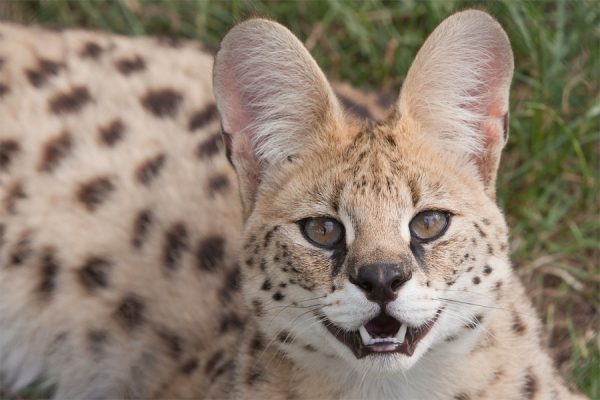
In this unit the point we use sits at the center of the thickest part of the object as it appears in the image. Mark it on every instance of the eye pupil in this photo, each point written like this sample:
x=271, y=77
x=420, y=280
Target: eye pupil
x=429, y=225
x=322, y=231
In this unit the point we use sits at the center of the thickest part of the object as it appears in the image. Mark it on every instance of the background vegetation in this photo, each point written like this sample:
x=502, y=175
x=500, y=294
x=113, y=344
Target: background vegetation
x=548, y=185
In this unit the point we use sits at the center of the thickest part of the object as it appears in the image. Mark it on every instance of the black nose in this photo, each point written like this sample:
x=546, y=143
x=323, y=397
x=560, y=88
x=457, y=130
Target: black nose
x=381, y=282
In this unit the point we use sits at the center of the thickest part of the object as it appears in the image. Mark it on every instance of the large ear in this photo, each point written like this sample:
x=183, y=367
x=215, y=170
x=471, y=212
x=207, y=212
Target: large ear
x=274, y=101
x=457, y=89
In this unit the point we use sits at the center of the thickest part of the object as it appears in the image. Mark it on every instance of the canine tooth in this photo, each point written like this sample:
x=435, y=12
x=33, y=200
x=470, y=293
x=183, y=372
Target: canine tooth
x=401, y=333
x=364, y=335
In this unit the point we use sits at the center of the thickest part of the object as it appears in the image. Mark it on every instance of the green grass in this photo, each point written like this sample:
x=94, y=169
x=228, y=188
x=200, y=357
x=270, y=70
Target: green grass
x=548, y=185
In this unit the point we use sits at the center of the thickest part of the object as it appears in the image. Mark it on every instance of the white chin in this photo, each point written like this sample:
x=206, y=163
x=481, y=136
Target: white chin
x=392, y=363
x=387, y=363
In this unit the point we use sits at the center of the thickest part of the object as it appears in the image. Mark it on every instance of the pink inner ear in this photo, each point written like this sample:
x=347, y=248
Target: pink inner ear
x=236, y=117
x=496, y=111
x=494, y=134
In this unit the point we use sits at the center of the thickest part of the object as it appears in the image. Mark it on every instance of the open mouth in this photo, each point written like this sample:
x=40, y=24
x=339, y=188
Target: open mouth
x=382, y=335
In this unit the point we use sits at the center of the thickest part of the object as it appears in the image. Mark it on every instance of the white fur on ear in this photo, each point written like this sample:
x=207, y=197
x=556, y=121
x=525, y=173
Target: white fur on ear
x=273, y=98
x=457, y=88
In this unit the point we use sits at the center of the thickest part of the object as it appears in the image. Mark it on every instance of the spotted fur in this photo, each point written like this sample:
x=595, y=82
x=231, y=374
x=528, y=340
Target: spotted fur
x=144, y=254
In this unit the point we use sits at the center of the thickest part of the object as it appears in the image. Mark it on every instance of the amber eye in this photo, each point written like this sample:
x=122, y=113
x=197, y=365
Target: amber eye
x=429, y=225
x=322, y=231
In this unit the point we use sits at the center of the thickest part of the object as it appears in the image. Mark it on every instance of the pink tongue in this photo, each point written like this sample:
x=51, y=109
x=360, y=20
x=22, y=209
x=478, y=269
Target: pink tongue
x=382, y=326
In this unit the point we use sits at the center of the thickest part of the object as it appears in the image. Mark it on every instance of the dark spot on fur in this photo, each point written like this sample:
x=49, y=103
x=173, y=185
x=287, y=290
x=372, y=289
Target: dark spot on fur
x=188, y=367
x=91, y=50
x=498, y=373
x=141, y=226
x=487, y=270
x=48, y=269
x=94, y=192
x=530, y=387
x=462, y=396
x=269, y=236
x=45, y=69
x=285, y=337
x=476, y=280
x=479, y=230
x=277, y=296
x=3, y=89
x=209, y=147
x=210, y=253
x=255, y=374
x=14, y=193
x=226, y=366
x=218, y=183
x=54, y=151
x=231, y=322
x=266, y=286
x=110, y=134
x=162, y=102
x=93, y=273
x=390, y=140
x=451, y=339
x=257, y=307
x=213, y=360
x=176, y=243
x=490, y=249
x=130, y=312
x=35, y=77
x=257, y=345
x=475, y=322
x=518, y=326
x=71, y=101
x=97, y=340
x=231, y=284
x=128, y=66
x=149, y=169
x=203, y=117
x=469, y=269
x=173, y=343
x=22, y=250
x=8, y=149
x=309, y=348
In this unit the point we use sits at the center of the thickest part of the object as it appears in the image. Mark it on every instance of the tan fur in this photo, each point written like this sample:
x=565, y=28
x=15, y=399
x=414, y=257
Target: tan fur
x=128, y=269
